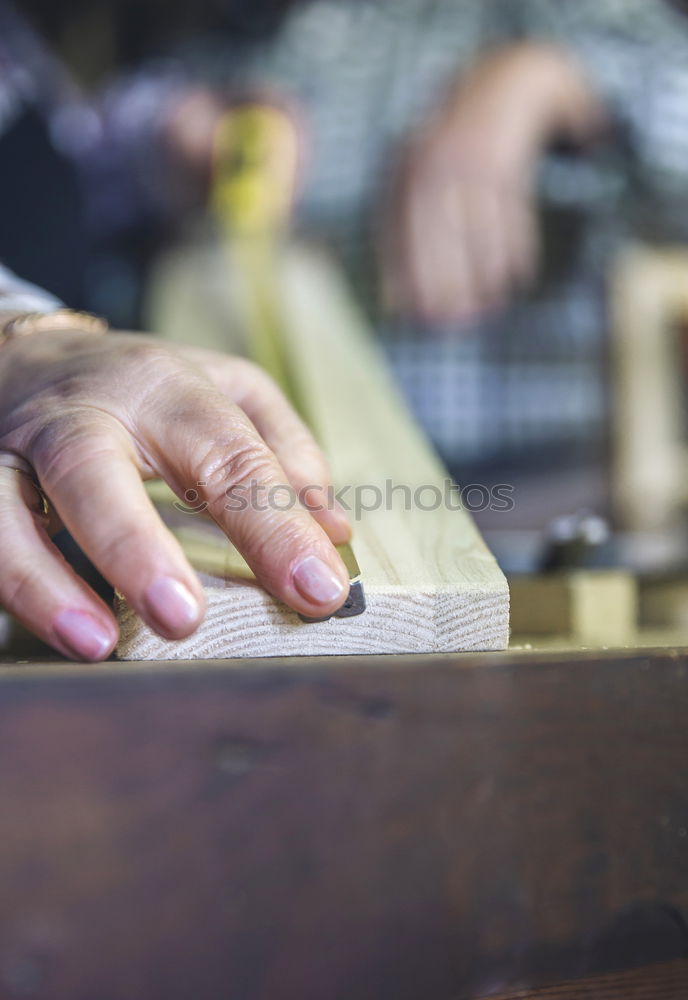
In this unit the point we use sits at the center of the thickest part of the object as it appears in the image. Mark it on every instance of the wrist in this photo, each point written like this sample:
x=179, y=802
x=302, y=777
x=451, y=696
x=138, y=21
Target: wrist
x=531, y=91
x=552, y=91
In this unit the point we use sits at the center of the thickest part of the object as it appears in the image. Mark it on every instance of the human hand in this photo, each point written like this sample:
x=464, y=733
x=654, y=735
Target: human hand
x=91, y=417
x=461, y=232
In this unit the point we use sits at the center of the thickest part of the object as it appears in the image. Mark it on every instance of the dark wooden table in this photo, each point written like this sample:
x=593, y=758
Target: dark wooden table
x=658, y=981
x=393, y=829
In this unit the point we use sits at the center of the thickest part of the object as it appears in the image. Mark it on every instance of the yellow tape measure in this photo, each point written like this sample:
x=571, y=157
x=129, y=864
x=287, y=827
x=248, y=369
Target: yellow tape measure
x=256, y=156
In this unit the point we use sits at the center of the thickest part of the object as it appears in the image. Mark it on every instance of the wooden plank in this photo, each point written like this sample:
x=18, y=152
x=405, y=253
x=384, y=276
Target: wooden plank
x=430, y=582
x=391, y=828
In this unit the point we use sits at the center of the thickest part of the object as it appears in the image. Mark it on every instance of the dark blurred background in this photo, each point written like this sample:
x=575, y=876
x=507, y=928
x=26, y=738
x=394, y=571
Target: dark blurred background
x=99, y=36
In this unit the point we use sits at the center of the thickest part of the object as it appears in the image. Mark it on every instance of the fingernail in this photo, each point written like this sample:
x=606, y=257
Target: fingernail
x=83, y=635
x=171, y=604
x=315, y=581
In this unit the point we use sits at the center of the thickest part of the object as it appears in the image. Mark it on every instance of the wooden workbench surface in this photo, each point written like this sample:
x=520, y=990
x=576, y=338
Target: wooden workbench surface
x=658, y=981
x=399, y=827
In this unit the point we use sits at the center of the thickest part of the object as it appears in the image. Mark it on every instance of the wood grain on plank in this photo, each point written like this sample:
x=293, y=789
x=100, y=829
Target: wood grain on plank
x=430, y=581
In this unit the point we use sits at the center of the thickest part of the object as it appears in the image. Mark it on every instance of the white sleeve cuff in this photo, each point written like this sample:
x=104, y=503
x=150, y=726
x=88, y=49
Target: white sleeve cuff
x=21, y=296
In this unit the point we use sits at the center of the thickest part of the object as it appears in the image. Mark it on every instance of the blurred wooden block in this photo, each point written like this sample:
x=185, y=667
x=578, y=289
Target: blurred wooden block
x=430, y=582
x=596, y=608
x=663, y=602
x=649, y=301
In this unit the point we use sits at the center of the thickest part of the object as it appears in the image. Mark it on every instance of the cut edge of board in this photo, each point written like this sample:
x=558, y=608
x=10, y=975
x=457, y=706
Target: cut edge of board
x=395, y=621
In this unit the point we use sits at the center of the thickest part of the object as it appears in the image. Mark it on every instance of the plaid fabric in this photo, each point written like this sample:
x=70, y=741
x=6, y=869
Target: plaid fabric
x=367, y=71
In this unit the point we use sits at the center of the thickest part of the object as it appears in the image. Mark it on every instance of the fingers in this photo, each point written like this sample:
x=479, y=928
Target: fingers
x=38, y=587
x=524, y=238
x=487, y=246
x=200, y=440
x=284, y=433
x=462, y=253
x=441, y=259
x=296, y=450
x=87, y=467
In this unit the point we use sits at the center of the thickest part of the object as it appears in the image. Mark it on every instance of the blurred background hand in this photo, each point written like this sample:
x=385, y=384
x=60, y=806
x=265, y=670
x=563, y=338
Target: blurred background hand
x=462, y=233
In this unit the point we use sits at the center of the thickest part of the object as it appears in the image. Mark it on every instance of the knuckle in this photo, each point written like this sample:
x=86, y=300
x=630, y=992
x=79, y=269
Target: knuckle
x=151, y=371
x=251, y=371
x=145, y=356
x=270, y=545
x=263, y=380
x=255, y=383
x=231, y=466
